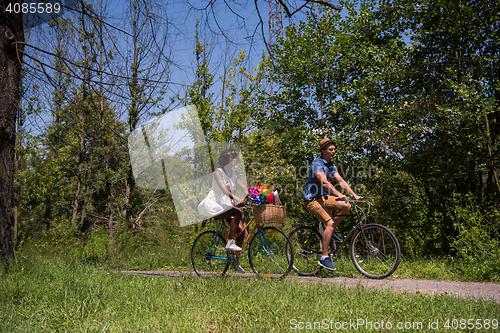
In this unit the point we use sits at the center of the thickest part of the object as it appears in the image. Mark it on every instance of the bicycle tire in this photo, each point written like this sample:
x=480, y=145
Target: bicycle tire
x=375, y=251
x=270, y=253
x=307, y=246
x=208, y=255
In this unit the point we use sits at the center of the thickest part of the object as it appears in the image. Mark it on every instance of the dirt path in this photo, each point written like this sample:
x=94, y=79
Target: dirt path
x=483, y=290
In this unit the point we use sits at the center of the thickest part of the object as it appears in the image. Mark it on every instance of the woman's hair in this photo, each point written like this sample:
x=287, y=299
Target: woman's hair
x=225, y=154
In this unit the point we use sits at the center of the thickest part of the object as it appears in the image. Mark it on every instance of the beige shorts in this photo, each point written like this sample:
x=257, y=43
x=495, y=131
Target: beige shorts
x=320, y=207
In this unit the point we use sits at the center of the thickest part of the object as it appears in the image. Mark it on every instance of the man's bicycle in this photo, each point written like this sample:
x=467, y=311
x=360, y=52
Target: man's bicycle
x=374, y=249
x=270, y=251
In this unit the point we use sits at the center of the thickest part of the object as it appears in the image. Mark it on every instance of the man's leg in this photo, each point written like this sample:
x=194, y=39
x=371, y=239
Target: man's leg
x=327, y=236
x=343, y=208
x=325, y=261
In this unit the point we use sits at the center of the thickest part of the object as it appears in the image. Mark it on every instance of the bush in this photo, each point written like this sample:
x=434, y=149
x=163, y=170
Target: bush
x=58, y=240
x=96, y=248
x=477, y=245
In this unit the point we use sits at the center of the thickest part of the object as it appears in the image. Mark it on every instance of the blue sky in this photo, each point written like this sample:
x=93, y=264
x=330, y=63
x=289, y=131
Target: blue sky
x=224, y=31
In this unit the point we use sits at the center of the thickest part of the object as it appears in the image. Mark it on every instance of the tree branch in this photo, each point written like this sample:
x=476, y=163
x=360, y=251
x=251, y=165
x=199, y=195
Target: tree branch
x=320, y=2
x=325, y=3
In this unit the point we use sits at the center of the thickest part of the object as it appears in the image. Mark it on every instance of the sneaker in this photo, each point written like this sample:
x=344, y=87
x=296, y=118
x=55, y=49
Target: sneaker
x=337, y=238
x=236, y=265
x=231, y=246
x=327, y=263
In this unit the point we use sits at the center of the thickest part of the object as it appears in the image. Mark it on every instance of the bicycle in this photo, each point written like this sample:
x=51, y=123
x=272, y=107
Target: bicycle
x=270, y=251
x=374, y=249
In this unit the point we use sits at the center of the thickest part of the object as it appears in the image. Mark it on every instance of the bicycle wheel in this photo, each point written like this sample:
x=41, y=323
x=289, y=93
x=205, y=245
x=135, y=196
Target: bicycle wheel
x=208, y=255
x=375, y=251
x=307, y=247
x=270, y=253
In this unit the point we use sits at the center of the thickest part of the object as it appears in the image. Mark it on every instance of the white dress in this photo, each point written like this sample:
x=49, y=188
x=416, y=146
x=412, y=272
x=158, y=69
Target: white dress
x=216, y=201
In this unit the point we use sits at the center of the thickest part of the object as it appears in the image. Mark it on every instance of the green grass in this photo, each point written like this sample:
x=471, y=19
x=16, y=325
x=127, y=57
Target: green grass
x=175, y=254
x=166, y=246
x=55, y=296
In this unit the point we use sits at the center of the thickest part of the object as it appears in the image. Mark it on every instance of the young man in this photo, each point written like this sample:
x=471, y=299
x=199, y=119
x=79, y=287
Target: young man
x=320, y=196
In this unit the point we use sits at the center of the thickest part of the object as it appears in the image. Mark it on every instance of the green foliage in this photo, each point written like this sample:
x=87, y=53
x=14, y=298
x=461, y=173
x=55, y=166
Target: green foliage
x=58, y=240
x=408, y=89
x=63, y=158
x=477, y=244
x=96, y=248
x=243, y=97
x=199, y=93
x=421, y=112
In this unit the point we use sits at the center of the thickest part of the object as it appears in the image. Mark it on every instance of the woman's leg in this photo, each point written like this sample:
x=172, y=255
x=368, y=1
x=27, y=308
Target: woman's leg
x=241, y=239
x=233, y=218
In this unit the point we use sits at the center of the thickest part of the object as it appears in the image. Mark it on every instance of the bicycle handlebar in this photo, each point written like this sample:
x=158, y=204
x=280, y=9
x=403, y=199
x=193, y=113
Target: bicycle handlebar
x=351, y=198
x=247, y=205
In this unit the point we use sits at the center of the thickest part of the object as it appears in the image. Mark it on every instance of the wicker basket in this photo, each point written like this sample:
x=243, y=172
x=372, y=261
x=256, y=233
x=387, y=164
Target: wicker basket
x=269, y=214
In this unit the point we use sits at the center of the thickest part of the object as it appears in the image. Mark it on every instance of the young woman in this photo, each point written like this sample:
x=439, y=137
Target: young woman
x=222, y=203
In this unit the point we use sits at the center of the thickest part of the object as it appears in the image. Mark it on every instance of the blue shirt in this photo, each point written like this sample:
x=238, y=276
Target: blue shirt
x=314, y=188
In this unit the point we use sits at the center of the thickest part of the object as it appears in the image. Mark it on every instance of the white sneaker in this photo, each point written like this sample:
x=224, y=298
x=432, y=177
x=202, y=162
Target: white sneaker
x=236, y=265
x=231, y=246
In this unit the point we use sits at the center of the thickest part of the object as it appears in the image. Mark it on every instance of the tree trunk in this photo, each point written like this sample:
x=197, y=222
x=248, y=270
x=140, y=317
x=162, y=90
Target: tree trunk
x=17, y=166
x=80, y=169
x=87, y=194
x=133, y=112
x=11, y=31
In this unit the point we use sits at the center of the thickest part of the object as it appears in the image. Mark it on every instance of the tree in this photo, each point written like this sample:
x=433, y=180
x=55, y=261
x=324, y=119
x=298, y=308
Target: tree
x=455, y=77
x=11, y=39
x=424, y=113
x=12, y=26
x=444, y=131
x=147, y=73
x=217, y=14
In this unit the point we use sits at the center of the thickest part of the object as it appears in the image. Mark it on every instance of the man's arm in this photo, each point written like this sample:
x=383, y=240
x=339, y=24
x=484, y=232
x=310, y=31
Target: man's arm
x=321, y=177
x=343, y=184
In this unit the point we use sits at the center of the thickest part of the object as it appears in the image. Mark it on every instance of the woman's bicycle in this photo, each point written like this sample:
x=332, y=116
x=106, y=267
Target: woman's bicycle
x=270, y=251
x=374, y=249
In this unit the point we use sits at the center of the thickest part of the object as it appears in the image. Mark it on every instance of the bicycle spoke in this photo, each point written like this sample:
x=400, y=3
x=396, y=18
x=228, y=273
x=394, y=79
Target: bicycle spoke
x=306, y=243
x=268, y=253
x=375, y=251
x=208, y=255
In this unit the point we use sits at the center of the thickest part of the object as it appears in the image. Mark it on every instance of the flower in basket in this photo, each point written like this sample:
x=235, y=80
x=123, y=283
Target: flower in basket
x=253, y=197
x=254, y=190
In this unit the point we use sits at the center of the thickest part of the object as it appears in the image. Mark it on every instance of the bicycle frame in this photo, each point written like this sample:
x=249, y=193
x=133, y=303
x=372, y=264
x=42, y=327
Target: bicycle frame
x=373, y=248
x=222, y=230
x=270, y=252
x=337, y=247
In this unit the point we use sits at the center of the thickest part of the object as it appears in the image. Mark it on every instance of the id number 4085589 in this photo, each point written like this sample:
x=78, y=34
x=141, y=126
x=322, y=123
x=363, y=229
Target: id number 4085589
x=33, y=8
x=471, y=324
